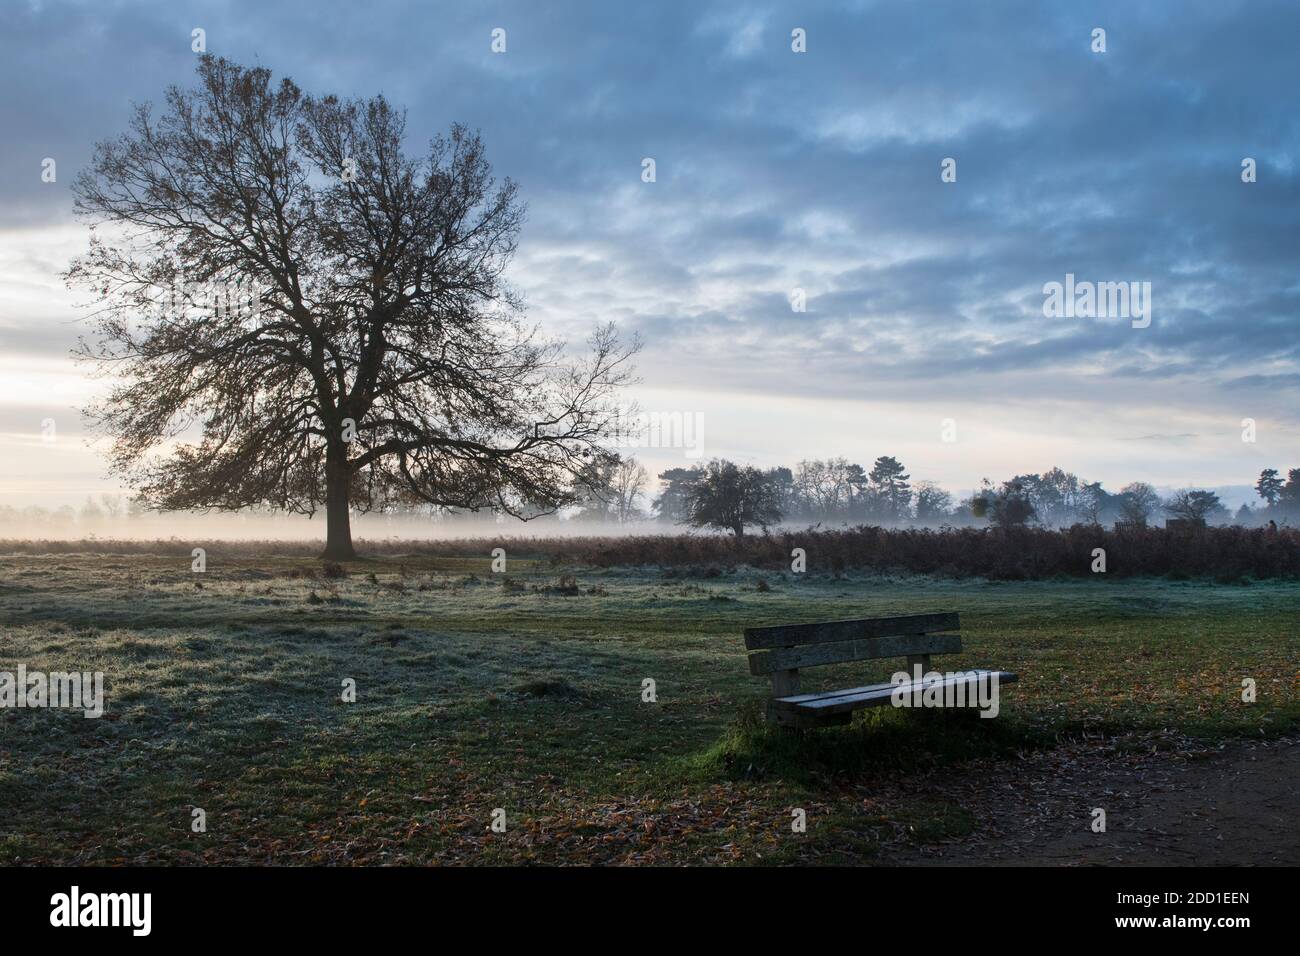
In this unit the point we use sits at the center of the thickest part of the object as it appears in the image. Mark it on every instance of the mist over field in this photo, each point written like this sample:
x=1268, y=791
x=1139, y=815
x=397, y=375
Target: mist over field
x=67, y=523
x=256, y=527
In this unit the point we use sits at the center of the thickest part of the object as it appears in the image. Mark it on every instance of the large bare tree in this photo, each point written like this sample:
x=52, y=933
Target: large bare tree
x=295, y=312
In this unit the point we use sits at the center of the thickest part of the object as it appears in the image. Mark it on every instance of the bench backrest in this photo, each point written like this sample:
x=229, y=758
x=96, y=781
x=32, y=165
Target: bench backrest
x=781, y=651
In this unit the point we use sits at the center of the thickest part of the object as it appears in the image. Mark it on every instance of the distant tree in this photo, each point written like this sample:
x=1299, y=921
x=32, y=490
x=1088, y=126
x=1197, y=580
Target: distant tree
x=670, y=505
x=91, y=513
x=1094, y=502
x=1193, y=504
x=1030, y=487
x=857, y=485
x=781, y=481
x=595, y=482
x=1289, y=496
x=1138, y=501
x=628, y=484
x=1269, y=487
x=1056, y=497
x=1007, y=507
x=933, y=504
x=731, y=498
x=889, y=485
x=1245, y=516
x=818, y=489
x=328, y=308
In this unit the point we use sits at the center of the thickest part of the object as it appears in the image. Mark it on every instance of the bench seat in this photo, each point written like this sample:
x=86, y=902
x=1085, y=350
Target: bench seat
x=873, y=695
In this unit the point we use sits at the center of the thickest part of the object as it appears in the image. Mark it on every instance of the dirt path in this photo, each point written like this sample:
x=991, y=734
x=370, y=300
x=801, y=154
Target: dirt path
x=1238, y=804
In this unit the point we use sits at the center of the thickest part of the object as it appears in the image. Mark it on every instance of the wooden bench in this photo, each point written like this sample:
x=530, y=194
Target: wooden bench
x=781, y=652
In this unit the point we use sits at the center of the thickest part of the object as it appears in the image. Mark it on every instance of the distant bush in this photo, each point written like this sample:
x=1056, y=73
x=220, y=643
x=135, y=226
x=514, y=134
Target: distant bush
x=1226, y=554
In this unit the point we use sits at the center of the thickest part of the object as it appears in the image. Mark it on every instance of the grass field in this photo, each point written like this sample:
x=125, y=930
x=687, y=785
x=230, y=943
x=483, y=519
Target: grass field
x=478, y=691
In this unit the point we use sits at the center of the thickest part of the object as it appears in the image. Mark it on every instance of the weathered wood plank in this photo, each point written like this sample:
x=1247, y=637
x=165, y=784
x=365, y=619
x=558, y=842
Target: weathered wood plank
x=798, y=700
x=814, y=655
x=875, y=695
x=795, y=719
x=827, y=632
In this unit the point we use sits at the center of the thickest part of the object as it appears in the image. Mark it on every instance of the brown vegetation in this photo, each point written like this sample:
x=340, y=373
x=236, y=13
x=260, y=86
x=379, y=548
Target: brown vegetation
x=1222, y=553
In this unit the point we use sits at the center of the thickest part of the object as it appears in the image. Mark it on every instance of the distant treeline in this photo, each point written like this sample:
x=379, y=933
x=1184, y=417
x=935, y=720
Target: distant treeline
x=729, y=497
x=1225, y=554
x=724, y=495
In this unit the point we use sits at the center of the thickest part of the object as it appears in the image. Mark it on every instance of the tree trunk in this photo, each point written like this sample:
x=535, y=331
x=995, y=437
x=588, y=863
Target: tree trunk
x=338, y=519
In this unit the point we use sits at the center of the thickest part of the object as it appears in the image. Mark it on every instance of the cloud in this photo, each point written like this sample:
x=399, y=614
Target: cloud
x=778, y=171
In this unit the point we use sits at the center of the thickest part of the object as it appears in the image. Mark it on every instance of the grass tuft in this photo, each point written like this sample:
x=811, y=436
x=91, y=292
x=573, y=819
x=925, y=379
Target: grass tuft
x=880, y=739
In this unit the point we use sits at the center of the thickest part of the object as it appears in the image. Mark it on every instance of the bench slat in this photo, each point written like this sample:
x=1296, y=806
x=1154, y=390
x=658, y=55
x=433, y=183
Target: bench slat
x=813, y=655
x=826, y=632
x=799, y=700
x=874, y=695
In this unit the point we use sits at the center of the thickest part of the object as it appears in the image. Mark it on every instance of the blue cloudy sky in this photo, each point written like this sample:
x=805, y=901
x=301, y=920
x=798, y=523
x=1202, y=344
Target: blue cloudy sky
x=779, y=170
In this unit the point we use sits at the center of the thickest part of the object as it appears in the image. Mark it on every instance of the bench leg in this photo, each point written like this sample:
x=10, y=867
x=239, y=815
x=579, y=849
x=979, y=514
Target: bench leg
x=784, y=684
x=782, y=718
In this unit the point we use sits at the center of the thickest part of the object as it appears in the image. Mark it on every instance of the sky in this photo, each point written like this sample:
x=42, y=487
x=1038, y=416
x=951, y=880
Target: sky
x=923, y=334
